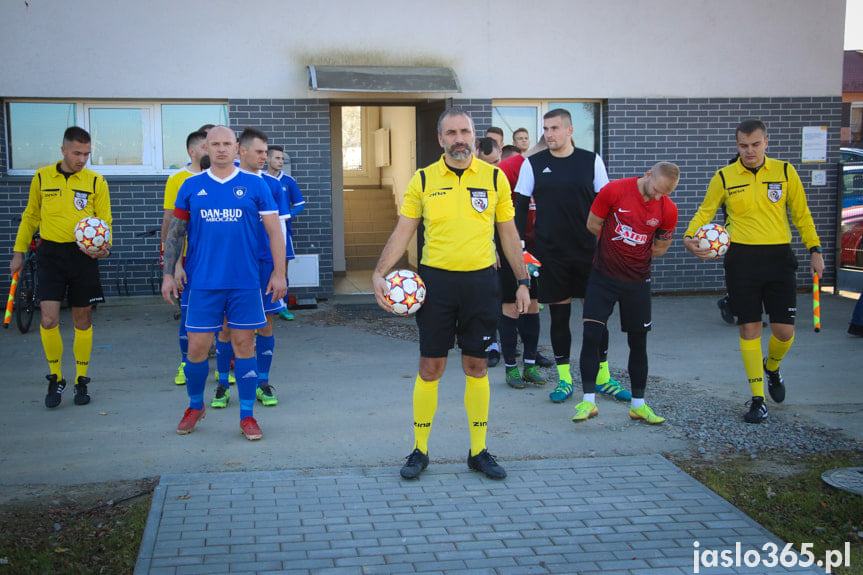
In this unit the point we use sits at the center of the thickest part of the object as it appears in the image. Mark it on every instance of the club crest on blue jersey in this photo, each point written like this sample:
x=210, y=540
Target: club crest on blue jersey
x=81, y=200
x=774, y=192
x=479, y=199
x=240, y=192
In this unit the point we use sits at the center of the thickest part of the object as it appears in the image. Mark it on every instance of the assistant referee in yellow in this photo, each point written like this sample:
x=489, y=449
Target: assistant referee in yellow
x=460, y=200
x=60, y=196
x=760, y=268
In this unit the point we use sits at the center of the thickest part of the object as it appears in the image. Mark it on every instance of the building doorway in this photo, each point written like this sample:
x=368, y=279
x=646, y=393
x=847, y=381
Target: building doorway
x=376, y=150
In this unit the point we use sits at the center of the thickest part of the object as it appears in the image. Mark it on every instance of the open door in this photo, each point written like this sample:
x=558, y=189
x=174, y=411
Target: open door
x=428, y=147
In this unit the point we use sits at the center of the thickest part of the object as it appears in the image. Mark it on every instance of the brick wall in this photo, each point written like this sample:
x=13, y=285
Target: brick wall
x=698, y=135
x=480, y=113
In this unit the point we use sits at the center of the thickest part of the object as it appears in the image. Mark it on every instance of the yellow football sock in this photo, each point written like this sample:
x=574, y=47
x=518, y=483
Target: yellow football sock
x=563, y=373
x=776, y=350
x=425, y=405
x=476, y=399
x=750, y=351
x=82, y=347
x=604, y=373
x=52, y=342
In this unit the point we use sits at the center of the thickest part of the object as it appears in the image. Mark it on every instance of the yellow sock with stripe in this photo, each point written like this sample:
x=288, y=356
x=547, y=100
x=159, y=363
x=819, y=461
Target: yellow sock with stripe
x=476, y=399
x=604, y=373
x=83, y=348
x=750, y=351
x=563, y=372
x=425, y=405
x=52, y=343
x=776, y=350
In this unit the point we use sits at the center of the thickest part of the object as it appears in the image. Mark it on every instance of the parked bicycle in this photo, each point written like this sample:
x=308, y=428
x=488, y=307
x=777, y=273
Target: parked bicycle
x=27, y=294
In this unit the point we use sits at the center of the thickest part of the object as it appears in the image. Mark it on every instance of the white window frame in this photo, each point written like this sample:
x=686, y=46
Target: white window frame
x=151, y=147
x=152, y=133
x=368, y=174
x=543, y=106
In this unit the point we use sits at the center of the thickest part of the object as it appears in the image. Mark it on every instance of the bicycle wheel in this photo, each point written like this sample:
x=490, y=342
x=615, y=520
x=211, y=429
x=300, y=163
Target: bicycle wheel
x=25, y=297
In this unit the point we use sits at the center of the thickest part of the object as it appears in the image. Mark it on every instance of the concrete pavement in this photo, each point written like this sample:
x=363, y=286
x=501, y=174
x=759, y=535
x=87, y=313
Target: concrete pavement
x=345, y=397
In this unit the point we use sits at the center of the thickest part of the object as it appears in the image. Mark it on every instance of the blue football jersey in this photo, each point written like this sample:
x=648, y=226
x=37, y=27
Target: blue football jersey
x=294, y=197
x=224, y=223
x=264, y=253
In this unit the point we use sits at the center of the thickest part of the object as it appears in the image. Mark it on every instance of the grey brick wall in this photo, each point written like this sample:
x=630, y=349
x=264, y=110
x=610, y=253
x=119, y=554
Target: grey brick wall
x=480, y=113
x=698, y=135
x=301, y=126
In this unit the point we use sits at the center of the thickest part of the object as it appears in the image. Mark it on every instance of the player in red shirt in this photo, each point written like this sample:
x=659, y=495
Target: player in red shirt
x=634, y=219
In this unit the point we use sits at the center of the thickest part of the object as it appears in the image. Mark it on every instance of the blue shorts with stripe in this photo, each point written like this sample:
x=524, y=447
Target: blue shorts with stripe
x=270, y=307
x=242, y=308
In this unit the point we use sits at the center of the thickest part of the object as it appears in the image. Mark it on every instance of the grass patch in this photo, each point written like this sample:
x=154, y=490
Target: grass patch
x=72, y=535
x=787, y=496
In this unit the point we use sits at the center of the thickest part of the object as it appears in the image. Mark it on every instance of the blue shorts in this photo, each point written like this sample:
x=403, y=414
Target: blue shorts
x=289, y=248
x=266, y=269
x=241, y=307
x=184, y=295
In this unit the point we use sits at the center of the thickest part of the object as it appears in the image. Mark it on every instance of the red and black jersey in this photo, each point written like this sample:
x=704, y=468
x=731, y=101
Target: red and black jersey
x=631, y=224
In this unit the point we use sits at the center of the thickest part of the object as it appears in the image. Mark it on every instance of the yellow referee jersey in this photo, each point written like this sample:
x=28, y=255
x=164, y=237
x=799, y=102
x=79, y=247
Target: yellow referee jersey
x=56, y=204
x=459, y=214
x=758, y=204
x=172, y=187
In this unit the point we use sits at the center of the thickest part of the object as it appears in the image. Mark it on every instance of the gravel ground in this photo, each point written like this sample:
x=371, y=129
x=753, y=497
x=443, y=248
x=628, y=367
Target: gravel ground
x=714, y=426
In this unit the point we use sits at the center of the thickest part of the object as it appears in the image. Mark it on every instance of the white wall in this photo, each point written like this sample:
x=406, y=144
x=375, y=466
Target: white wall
x=401, y=122
x=560, y=48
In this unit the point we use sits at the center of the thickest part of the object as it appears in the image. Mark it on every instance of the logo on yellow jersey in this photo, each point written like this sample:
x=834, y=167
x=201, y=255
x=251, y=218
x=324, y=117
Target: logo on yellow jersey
x=81, y=200
x=479, y=199
x=774, y=192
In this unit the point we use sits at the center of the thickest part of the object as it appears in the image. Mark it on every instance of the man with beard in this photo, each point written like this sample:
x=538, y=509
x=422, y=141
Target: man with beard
x=460, y=200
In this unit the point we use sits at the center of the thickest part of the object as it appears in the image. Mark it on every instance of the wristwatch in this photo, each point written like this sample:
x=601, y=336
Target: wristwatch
x=814, y=249
x=524, y=282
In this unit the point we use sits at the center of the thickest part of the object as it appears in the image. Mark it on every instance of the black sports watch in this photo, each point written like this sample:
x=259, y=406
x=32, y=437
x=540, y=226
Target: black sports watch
x=524, y=282
x=814, y=249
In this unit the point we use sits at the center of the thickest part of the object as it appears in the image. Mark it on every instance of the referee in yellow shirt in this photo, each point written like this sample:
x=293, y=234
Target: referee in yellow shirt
x=460, y=200
x=60, y=196
x=760, y=267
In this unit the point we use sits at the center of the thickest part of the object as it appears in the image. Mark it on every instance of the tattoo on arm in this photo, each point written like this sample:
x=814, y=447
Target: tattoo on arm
x=174, y=243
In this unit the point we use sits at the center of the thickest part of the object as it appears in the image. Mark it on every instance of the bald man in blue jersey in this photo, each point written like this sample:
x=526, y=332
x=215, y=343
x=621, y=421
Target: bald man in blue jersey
x=220, y=211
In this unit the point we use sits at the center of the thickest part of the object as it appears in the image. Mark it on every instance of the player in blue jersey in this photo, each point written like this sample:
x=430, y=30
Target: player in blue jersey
x=196, y=147
x=220, y=210
x=253, y=155
x=296, y=202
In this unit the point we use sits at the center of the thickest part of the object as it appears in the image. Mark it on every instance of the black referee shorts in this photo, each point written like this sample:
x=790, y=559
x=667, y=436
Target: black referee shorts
x=62, y=266
x=463, y=305
x=762, y=277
